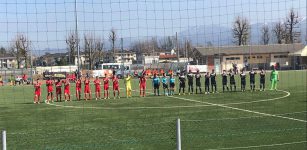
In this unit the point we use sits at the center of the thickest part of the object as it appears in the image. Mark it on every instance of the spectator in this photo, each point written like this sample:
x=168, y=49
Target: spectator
x=24, y=78
x=12, y=80
x=1, y=80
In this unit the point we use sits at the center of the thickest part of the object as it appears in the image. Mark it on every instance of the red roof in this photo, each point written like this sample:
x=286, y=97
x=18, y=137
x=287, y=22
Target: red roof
x=167, y=56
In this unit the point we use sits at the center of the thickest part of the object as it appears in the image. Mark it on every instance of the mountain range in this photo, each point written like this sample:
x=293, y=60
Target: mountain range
x=205, y=35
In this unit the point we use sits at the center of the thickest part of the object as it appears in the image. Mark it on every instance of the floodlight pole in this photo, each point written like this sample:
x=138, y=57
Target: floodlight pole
x=77, y=38
x=178, y=135
x=3, y=140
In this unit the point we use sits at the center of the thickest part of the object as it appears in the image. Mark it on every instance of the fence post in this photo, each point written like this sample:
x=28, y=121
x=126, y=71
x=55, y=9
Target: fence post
x=178, y=135
x=3, y=140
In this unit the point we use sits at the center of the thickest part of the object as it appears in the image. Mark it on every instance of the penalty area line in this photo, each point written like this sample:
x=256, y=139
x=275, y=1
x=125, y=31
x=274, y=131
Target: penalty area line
x=258, y=146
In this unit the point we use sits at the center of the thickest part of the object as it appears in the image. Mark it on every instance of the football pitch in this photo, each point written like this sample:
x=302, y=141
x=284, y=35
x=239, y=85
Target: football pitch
x=230, y=120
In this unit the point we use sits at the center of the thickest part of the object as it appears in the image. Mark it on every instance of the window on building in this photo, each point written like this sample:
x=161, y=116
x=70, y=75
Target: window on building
x=259, y=57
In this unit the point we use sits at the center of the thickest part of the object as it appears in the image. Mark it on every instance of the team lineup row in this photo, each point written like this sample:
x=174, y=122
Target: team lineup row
x=168, y=85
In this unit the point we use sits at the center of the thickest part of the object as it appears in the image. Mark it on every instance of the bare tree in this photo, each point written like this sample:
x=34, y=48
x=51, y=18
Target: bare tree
x=240, y=30
x=279, y=32
x=167, y=43
x=99, y=45
x=265, y=34
x=112, y=39
x=292, y=23
x=71, y=41
x=20, y=49
x=89, y=49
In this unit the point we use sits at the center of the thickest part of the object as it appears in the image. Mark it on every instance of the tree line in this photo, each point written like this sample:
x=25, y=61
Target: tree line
x=283, y=32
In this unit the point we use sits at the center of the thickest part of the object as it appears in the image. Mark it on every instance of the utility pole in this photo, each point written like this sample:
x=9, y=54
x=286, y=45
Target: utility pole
x=177, y=49
x=77, y=39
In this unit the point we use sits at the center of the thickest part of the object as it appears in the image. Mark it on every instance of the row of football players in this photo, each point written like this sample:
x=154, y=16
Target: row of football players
x=210, y=79
x=67, y=94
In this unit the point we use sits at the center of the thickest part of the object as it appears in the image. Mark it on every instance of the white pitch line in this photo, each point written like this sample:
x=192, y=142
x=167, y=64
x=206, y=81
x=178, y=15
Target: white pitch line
x=264, y=100
x=240, y=109
x=113, y=108
x=258, y=146
x=169, y=107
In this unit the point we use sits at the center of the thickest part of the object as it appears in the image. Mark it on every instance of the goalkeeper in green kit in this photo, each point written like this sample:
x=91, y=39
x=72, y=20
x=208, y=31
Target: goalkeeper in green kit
x=274, y=79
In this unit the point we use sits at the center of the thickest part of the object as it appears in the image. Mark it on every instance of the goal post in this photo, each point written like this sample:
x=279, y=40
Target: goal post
x=3, y=140
x=178, y=135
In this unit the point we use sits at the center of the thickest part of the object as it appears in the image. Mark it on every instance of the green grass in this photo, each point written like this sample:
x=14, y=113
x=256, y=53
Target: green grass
x=128, y=124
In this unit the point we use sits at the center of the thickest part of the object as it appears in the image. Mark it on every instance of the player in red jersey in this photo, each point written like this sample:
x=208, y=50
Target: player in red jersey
x=58, y=87
x=106, y=87
x=78, y=89
x=115, y=85
x=49, y=85
x=37, y=92
x=67, y=90
x=97, y=88
x=142, y=85
x=87, y=89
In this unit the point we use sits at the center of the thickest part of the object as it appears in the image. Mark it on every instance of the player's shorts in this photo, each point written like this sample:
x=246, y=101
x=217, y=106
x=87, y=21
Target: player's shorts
x=142, y=86
x=172, y=85
x=58, y=90
x=78, y=89
x=49, y=89
x=156, y=86
x=232, y=82
x=190, y=83
x=198, y=84
x=262, y=81
x=97, y=89
x=213, y=83
x=182, y=85
x=66, y=91
x=252, y=81
x=106, y=88
x=165, y=86
x=115, y=88
x=128, y=88
x=37, y=93
x=87, y=90
x=224, y=82
x=243, y=82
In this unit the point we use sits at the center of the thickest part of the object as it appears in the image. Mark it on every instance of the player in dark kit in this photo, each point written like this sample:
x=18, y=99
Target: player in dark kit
x=207, y=83
x=213, y=81
x=198, y=84
x=190, y=82
x=262, y=80
x=252, y=79
x=232, y=80
x=243, y=80
x=224, y=80
x=181, y=83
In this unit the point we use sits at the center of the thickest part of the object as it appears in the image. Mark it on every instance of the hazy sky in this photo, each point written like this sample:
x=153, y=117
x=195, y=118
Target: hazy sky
x=47, y=22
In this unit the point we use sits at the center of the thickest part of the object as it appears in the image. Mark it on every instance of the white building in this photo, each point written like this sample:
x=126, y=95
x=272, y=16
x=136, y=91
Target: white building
x=10, y=62
x=127, y=57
